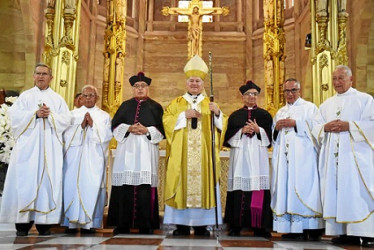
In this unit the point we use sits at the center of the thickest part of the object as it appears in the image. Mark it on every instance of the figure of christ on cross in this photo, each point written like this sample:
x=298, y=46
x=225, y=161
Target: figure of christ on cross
x=195, y=11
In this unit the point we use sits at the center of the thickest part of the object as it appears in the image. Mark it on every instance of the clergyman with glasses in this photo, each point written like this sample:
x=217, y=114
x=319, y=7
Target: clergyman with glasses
x=85, y=159
x=296, y=198
x=248, y=190
x=33, y=185
x=137, y=127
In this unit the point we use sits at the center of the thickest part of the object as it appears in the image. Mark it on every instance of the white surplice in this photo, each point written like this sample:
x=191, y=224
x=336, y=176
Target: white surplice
x=249, y=162
x=295, y=188
x=85, y=169
x=136, y=160
x=33, y=186
x=346, y=164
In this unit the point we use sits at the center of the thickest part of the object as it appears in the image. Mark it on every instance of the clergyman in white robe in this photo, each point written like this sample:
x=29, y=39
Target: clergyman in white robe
x=85, y=169
x=346, y=161
x=33, y=186
x=296, y=198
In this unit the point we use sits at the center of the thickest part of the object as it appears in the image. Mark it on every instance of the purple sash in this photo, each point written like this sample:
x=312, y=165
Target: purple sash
x=256, y=208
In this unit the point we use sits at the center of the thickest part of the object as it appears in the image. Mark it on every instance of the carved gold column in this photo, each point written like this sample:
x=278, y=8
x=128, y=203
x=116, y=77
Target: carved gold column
x=274, y=54
x=114, y=55
x=329, y=44
x=61, y=45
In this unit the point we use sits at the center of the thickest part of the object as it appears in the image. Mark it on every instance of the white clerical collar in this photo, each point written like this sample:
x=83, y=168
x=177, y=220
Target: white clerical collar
x=348, y=92
x=294, y=103
x=92, y=108
x=42, y=90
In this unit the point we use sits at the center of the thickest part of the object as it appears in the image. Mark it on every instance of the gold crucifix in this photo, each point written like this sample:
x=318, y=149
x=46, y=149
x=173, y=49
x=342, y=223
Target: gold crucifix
x=195, y=11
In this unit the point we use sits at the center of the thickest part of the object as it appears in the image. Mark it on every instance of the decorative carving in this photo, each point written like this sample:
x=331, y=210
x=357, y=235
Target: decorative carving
x=120, y=11
x=274, y=53
x=325, y=86
x=322, y=8
x=119, y=76
x=268, y=10
x=195, y=11
x=51, y=4
x=67, y=39
x=63, y=83
x=114, y=54
x=330, y=45
x=65, y=59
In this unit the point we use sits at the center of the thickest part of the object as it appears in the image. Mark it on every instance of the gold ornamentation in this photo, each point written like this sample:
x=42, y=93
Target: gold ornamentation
x=195, y=11
x=61, y=45
x=274, y=54
x=194, y=166
x=329, y=44
x=114, y=55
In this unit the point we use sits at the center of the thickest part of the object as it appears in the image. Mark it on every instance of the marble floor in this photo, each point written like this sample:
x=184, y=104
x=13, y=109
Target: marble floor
x=162, y=239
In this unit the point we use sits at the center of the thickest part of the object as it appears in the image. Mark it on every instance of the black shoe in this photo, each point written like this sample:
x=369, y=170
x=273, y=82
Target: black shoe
x=70, y=230
x=313, y=234
x=347, y=239
x=367, y=242
x=45, y=232
x=314, y=238
x=293, y=236
x=145, y=231
x=181, y=232
x=22, y=233
x=88, y=231
x=121, y=230
x=260, y=232
x=201, y=232
x=234, y=232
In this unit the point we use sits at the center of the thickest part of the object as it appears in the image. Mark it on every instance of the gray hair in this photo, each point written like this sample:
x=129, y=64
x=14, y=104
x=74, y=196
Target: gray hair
x=43, y=65
x=89, y=86
x=293, y=80
x=347, y=69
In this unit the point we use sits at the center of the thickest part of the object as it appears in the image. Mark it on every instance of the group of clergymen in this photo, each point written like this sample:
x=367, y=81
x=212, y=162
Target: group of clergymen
x=321, y=180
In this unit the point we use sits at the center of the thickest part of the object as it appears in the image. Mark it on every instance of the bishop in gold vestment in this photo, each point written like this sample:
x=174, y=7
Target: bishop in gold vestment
x=189, y=183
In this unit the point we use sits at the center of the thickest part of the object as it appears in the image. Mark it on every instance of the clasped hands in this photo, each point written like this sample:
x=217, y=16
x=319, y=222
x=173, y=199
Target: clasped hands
x=43, y=111
x=87, y=121
x=285, y=123
x=336, y=126
x=251, y=127
x=138, y=129
x=192, y=113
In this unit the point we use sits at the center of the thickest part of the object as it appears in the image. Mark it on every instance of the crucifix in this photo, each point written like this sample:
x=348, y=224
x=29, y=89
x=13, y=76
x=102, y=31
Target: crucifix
x=195, y=12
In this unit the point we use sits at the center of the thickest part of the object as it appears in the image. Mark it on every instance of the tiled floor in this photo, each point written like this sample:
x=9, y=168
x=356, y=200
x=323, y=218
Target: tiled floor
x=162, y=239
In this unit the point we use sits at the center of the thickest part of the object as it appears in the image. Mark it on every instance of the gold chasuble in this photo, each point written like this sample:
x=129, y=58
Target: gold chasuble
x=189, y=172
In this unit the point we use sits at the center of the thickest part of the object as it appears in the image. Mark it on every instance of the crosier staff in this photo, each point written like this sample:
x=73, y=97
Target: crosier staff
x=212, y=128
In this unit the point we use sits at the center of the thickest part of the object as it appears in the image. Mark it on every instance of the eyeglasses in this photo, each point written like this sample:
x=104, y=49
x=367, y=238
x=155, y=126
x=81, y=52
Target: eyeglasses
x=293, y=91
x=41, y=73
x=88, y=96
x=251, y=93
x=140, y=86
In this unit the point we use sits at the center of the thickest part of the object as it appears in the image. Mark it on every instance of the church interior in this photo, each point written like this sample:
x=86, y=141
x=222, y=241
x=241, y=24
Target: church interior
x=104, y=42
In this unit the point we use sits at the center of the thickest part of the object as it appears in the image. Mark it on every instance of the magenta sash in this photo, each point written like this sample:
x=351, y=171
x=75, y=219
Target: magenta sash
x=256, y=208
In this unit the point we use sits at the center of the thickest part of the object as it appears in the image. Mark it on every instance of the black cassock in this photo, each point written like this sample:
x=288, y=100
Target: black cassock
x=133, y=206
x=238, y=202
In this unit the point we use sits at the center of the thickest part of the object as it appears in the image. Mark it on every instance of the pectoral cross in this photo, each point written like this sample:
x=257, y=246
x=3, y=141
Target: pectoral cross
x=195, y=11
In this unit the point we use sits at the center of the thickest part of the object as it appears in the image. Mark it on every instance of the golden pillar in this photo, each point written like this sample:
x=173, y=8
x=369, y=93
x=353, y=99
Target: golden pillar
x=114, y=55
x=61, y=45
x=274, y=54
x=329, y=44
